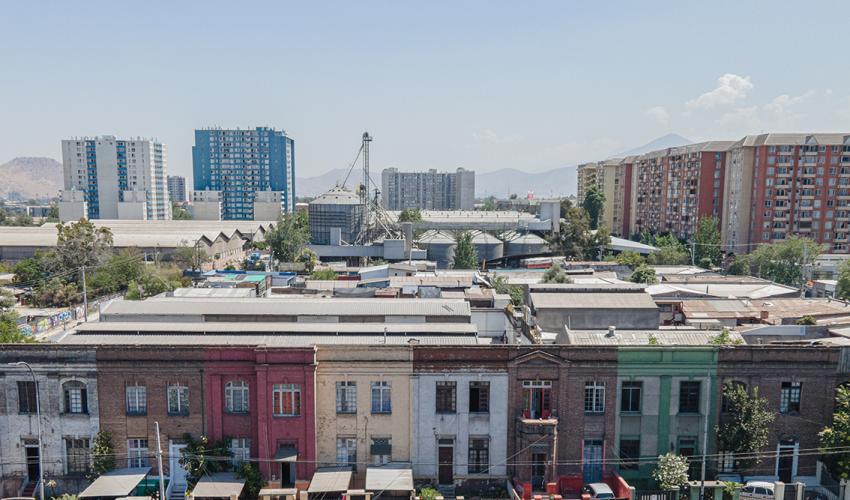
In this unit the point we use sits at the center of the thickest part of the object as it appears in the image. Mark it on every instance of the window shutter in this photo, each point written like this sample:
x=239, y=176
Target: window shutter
x=84, y=400
x=67, y=393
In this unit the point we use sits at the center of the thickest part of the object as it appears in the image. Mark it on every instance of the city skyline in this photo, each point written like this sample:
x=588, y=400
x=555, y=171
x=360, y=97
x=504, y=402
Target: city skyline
x=483, y=88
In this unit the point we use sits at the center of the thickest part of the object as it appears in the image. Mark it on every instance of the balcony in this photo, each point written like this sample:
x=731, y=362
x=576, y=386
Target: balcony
x=545, y=425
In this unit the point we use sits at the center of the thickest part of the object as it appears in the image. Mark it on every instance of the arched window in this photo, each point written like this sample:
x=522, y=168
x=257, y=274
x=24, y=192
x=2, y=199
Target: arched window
x=76, y=397
x=735, y=385
x=236, y=396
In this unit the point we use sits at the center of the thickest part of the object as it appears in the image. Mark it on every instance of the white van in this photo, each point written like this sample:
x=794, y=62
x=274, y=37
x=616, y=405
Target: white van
x=757, y=490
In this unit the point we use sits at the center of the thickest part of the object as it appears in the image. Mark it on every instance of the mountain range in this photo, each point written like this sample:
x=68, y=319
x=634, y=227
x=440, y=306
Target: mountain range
x=26, y=178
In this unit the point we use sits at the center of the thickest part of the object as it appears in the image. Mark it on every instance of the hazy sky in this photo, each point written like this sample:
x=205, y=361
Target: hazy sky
x=484, y=85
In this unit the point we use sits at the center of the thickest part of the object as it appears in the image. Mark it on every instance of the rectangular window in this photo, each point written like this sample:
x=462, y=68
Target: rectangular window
x=178, y=400
x=241, y=449
x=137, y=453
x=77, y=456
x=346, y=397
x=76, y=398
x=346, y=452
x=538, y=399
x=594, y=397
x=382, y=397
x=789, y=399
x=137, y=401
x=446, y=397
x=629, y=453
x=479, y=455
x=286, y=400
x=479, y=397
x=381, y=450
x=689, y=396
x=27, y=396
x=630, y=393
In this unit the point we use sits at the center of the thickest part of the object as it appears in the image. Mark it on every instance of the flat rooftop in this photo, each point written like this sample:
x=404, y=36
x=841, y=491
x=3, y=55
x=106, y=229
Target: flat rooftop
x=592, y=301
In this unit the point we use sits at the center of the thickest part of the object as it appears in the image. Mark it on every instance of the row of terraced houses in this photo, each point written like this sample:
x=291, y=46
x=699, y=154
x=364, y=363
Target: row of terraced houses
x=468, y=416
x=761, y=189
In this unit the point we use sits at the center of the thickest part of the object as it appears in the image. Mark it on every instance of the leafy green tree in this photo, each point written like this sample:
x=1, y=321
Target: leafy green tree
x=179, y=213
x=740, y=266
x=576, y=240
x=9, y=332
x=30, y=270
x=52, y=214
x=465, y=256
x=103, y=455
x=289, y=236
x=671, y=252
x=489, y=204
x=191, y=257
x=806, y=320
x=254, y=481
x=631, y=259
x=57, y=293
x=643, y=274
x=784, y=262
x=671, y=471
x=133, y=291
x=566, y=204
x=309, y=259
x=116, y=274
x=410, y=215
x=842, y=288
x=707, y=243
x=593, y=202
x=429, y=493
x=202, y=457
x=724, y=338
x=325, y=274
x=744, y=429
x=82, y=244
x=556, y=274
x=501, y=286
x=837, y=435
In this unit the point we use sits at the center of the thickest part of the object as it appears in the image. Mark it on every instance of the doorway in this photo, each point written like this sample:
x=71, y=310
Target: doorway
x=445, y=460
x=592, y=461
x=177, y=473
x=287, y=474
x=538, y=469
x=786, y=460
x=31, y=450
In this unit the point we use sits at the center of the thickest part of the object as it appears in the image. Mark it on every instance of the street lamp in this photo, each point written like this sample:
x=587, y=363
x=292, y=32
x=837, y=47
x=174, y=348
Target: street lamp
x=38, y=421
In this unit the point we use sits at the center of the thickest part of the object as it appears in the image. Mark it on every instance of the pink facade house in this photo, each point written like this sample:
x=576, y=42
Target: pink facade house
x=262, y=400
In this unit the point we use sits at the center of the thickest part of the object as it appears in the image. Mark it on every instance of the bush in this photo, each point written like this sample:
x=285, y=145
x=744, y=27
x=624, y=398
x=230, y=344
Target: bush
x=429, y=493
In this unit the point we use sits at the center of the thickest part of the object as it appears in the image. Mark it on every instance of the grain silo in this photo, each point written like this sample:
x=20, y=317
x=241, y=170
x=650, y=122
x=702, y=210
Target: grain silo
x=338, y=208
x=524, y=244
x=487, y=246
x=440, y=247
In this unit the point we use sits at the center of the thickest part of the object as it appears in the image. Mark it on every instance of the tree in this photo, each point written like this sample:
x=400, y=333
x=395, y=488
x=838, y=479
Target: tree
x=592, y=203
x=643, y=274
x=56, y=293
x=501, y=286
x=784, y=262
x=179, y=213
x=82, y=244
x=254, y=481
x=707, y=243
x=133, y=291
x=117, y=273
x=576, y=240
x=745, y=427
x=103, y=455
x=289, y=236
x=631, y=259
x=193, y=257
x=842, y=288
x=806, y=320
x=556, y=274
x=489, y=204
x=465, y=256
x=52, y=214
x=325, y=274
x=410, y=215
x=837, y=435
x=201, y=457
x=671, y=471
x=566, y=204
x=671, y=251
x=9, y=332
x=30, y=270
x=739, y=266
x=309, y=259
x=724, y=338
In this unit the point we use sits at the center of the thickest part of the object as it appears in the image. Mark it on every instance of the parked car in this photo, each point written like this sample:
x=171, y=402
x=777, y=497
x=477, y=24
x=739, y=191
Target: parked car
x=757, y=490
x=598, y=490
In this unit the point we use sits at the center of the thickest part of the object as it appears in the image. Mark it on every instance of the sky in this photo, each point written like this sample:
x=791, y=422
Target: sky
x=438, y=84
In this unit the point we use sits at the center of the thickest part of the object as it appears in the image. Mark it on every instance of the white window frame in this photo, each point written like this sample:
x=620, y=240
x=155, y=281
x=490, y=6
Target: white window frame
x=281, y=390
x=136, y=399
x=137, y=455
x=346, y=397
x=178, y=394
x=241, y=449
x=597, y=402
x=237, y=391
x=384, y=397
x=344, y=447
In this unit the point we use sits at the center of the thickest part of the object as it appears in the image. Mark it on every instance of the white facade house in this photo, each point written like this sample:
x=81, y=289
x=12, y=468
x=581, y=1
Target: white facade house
x=460, y=421
x=67, y=394
x=105, y=168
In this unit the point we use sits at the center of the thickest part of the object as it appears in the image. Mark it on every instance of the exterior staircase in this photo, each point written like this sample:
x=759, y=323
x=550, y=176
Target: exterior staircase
x=447, y=491
x=29, y=489
x=178, y=492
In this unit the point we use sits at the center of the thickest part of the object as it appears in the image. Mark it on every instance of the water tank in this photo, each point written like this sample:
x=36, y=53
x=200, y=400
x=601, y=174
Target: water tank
x=440, y=247
x=525, y=244
x=487, y=246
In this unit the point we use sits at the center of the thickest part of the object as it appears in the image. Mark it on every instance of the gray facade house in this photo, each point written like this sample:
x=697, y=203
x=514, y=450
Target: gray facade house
x=632, y=310
x=66, y=384
x=429, y=190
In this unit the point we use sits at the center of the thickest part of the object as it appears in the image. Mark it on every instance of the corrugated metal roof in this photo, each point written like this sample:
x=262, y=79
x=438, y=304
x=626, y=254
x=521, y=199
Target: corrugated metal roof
x=641, y=337
x=629, y=300
x=269, y=340
x=274, y=327
x=337, y=196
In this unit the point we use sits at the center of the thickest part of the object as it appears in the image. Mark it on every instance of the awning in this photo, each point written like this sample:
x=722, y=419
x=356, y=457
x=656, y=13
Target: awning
x=115, y=483
x=220, y=484
x=330, y=479
x=278, y=492
x=394, y=476
x=286, y=454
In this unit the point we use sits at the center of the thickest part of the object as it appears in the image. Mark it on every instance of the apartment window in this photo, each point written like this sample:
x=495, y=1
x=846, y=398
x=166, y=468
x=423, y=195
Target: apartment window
x=446, y=395
x=346, y=397
x=346, y=452
x=286, y=400
x=137, y=401
x=178, y=400
x=789, y=398
x=538, y=398
x=479, y=397
x=381, y=450
x=594, y=397
x=689, y=396
x=77, y=456
x=241, y=449
x=382, y=397
x=137, y=453
x=479, y=455
x=75, y=397
x=629, y=453
x=630, y=393
x=27, y=397
x=236, y=396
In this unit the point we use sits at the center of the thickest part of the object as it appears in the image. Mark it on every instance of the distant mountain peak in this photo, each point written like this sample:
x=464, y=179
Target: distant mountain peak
x=670, y=140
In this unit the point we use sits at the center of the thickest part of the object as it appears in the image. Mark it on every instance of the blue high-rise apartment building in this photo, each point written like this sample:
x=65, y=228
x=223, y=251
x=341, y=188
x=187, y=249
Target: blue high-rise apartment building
x=239, y=163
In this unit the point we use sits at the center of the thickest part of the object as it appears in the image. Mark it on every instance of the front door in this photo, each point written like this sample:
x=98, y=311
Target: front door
x=446, y=464
x=592, y=461
x=287, y=474
x=785, y=460
x=538, y=470
x=32, y=462
x=177, y=472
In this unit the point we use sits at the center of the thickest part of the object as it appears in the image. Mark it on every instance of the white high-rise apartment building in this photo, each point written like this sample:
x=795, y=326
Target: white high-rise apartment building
x=118, y=179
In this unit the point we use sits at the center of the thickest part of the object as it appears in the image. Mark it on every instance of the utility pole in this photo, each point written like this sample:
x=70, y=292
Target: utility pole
x=706, y=410
x=803, y=271
x=159, y=464
x=693, y=252
x=85, y=297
